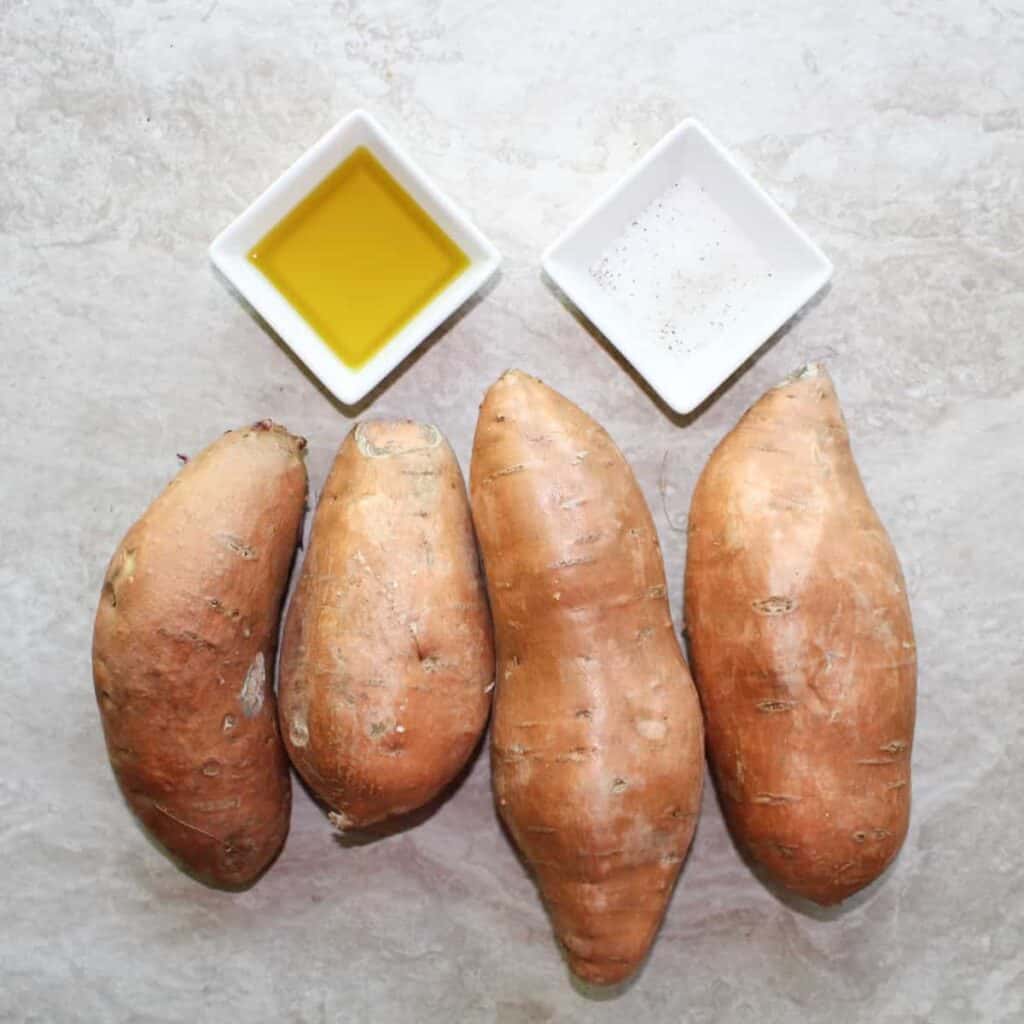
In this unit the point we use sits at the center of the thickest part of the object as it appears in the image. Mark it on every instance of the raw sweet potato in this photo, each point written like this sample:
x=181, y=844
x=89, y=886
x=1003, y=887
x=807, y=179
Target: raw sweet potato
x=183, y=654
x=387, y=660
x=802, y=646
x=597, y=752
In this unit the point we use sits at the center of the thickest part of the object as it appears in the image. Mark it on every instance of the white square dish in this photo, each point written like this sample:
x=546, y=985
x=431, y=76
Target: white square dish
x=686, y=266
x=230, y=254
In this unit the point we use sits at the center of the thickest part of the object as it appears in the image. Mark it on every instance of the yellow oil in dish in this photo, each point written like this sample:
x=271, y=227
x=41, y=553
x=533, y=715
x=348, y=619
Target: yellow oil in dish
x=358, y=258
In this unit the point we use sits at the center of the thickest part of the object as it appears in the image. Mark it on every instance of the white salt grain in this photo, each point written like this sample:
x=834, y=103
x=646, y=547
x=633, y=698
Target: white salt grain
x=683, y=261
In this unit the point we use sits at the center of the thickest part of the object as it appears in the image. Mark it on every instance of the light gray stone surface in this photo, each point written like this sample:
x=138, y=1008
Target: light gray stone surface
x=132, y=132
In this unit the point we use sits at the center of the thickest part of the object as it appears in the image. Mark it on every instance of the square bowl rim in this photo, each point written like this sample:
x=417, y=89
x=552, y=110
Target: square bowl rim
x=560, y=270
x=229, y=254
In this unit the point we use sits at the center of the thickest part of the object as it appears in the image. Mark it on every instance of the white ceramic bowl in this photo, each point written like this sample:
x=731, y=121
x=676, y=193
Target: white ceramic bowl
x=230, y=249
x=687, y=266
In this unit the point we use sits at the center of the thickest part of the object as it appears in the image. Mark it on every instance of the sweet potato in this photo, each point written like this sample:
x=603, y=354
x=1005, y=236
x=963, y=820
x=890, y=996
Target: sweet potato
x=597, y=751
x=802, y=646
x=387, y=659
x=183, y=655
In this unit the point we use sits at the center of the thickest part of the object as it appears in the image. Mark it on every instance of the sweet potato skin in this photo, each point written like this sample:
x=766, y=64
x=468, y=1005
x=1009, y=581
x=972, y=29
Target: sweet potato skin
x=597, y=745
x=183, y=655
x=802, y=646
x=387, y=658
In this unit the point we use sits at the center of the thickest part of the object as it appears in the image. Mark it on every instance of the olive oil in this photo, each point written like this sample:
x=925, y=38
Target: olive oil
x=358, y=258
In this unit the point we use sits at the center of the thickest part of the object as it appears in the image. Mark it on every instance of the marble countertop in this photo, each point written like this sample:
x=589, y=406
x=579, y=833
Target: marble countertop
x=133, y=131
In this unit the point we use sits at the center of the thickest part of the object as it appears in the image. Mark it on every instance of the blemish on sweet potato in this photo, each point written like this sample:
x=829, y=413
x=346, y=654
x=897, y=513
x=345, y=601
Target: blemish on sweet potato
x=774, y=706
x=895, y=747
x=652, y=729
x=237, y=546
x=122, y=571
x=253, y=691
x=774, y=605
x=575, y=562
x=519, y=467
x=298, y=732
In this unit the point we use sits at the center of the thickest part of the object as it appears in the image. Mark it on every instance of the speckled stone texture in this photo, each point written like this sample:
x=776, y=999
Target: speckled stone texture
x=132, y=132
